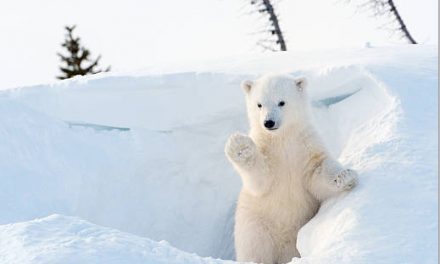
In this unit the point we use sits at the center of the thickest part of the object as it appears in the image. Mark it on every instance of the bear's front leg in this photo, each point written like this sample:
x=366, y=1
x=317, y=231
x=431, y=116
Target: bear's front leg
x=330, y=178
x=249, y=163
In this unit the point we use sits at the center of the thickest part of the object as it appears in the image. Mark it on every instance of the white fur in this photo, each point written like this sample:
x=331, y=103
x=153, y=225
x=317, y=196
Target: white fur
x=286, y=172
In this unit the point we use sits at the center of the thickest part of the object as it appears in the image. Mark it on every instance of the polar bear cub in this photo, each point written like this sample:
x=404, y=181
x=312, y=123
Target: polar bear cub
x=285, y=169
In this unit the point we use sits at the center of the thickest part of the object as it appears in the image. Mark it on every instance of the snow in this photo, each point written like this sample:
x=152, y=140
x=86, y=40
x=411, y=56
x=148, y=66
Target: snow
x=144, y=161
x=62, y=239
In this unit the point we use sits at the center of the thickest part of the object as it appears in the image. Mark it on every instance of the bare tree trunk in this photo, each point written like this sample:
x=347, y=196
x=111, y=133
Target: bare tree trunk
x=403, y=28
x=274, y=19
x=276, y=40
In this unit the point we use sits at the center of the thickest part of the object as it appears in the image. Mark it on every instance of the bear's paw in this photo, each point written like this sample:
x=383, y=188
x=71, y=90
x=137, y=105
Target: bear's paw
x=241, y=149
x=346, y=179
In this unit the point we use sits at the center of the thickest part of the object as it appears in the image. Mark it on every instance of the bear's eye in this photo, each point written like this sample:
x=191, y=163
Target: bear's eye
x=259, y=105
x=282, y=103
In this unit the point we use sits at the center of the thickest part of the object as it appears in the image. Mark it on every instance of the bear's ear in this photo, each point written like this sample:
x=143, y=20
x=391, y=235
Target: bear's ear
x=301, y=83
x=247, y=85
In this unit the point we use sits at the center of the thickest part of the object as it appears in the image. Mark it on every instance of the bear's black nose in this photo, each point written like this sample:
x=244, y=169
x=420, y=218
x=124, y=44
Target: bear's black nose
x=269, y=124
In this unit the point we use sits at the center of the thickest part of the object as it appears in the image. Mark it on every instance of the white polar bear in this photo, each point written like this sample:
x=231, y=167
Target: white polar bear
x=285, y=169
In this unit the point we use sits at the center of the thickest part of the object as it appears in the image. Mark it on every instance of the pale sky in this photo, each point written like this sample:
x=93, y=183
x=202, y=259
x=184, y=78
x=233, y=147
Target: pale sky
x=135, y=34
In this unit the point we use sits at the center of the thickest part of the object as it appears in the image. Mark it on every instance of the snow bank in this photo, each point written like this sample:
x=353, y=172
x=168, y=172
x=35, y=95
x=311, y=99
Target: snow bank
x=393, y=216
x=61, y=239
x=166, y=177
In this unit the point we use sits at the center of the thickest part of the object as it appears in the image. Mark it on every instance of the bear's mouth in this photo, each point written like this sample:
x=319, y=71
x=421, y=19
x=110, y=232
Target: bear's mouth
x=273, y=128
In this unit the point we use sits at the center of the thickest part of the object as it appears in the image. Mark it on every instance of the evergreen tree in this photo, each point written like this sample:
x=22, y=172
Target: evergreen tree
x=388, y=9
x=74, y=63
x=266, y=8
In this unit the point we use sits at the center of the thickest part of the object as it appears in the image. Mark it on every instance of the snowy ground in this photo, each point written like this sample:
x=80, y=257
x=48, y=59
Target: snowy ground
x=161, y=173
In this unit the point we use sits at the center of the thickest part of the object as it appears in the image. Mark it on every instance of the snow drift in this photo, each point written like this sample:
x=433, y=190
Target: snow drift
x=142, y=155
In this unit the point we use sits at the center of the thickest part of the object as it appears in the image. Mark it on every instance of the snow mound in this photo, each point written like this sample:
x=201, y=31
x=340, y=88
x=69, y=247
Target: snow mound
x=143, y=154
x=61, y=239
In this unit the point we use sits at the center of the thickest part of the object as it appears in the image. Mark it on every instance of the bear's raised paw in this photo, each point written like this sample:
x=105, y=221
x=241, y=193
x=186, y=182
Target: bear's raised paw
x=241, y=149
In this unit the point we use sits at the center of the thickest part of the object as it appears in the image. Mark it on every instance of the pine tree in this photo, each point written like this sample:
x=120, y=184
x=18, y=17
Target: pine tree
x=388, y=9
x=267, y=8
x=78, y=55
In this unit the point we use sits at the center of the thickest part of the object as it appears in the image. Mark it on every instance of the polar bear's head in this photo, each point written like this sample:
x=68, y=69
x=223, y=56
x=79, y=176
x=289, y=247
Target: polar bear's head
x=276, y=102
